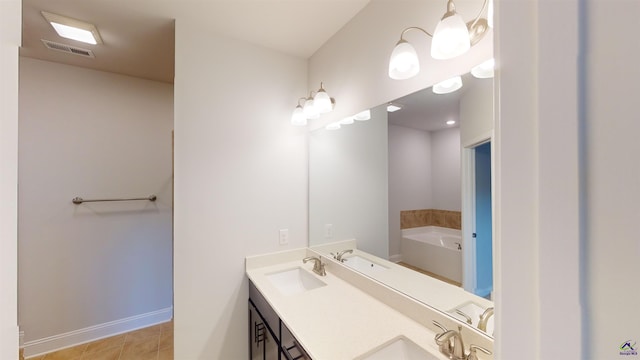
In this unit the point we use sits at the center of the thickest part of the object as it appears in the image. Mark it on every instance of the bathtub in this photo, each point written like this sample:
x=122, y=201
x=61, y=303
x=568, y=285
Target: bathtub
x=434, y=249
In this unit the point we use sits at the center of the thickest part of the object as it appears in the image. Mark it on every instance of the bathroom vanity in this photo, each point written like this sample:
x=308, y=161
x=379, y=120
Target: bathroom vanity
x=342, y=315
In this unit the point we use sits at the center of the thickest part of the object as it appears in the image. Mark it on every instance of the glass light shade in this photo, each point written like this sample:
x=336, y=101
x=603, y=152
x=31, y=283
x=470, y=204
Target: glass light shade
x=363, y=115
x=404, y=63
x=484, y=70
x=310, y=110
x=451, y=122
x=451, y=38
x=448, y=86
x=393, y=108
x=347, y=121
x=298, y=118
x=333, y=126
x=322, y=102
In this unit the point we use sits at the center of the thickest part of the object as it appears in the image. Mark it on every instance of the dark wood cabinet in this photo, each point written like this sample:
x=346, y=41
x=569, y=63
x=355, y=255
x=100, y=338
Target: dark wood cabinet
x=269, y=338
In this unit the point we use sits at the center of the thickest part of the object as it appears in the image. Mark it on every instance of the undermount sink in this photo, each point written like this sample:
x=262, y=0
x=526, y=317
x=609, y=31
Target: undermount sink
x=294, y=281
x=363, y=265
x=474, y=311
x=399, y=348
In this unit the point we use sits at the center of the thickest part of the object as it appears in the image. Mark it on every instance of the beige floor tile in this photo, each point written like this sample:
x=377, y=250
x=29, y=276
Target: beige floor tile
x=166, y=340
x=103, y=344
x=166, y=354
x=112, y=353
x=144, y=333
x=139, y=348
x=72, y=353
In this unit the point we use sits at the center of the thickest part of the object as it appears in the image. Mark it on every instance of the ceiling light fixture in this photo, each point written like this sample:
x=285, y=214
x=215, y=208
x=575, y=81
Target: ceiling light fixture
x=448, y=86
x=347, y=121
x=393, y=107
x=313, y=107
x=73, y=29
x=451, y=122
x=363, y=115
x=484, y=70
x=333, y=126
x=451, y=38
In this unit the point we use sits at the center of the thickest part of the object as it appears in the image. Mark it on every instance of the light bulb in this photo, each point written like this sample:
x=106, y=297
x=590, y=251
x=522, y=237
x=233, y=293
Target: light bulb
x=484, y=70
x=347, y=121
x=363, y=115
x=451, y=37
x=298, y=118
x=333, y=126
x=322, y=101
x=310, y=110
x=404, y=62
x=448, y=86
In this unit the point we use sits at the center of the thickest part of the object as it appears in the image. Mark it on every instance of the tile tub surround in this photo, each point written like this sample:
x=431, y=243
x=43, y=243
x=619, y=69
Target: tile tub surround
x=369, y=313
x=153, y=343
x=430, y=217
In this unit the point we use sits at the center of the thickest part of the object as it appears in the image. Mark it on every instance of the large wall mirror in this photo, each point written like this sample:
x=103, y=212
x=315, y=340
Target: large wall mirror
x=414, y=191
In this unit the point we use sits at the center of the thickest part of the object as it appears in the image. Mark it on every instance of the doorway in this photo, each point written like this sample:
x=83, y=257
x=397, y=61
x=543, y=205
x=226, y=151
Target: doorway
x=478, y=222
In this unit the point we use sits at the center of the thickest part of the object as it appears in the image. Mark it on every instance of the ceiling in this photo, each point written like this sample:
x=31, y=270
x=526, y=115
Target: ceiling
x=426, y=111
x=139, y=35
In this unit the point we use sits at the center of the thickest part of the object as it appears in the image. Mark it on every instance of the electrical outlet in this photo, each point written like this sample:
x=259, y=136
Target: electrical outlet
x=328, y=231
x=284, y=236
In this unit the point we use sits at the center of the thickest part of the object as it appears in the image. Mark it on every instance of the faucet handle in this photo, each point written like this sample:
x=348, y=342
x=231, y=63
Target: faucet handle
x=472, y=352
x=444, y=329
x=445, y=346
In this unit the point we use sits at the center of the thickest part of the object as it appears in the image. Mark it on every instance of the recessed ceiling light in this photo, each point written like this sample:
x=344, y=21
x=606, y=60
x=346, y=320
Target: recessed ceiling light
x=451, y=122
x=393, y=107
x=73, y=29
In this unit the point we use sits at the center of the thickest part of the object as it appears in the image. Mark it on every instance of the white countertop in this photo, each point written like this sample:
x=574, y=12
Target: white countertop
x=337, y=321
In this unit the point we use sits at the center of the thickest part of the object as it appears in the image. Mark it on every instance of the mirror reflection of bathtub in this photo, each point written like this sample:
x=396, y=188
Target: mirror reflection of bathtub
x=435, y=250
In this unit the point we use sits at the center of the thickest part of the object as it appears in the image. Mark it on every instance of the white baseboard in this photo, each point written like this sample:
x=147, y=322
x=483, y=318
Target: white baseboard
x=96, y=332
x=395, y=258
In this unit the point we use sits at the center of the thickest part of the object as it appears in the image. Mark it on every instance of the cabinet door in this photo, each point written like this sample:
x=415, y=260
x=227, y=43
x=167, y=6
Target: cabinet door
x=262, y=345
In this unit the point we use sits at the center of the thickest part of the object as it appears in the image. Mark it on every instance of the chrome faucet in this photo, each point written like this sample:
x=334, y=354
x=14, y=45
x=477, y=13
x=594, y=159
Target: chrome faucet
x=455, y=349
x=484, y=319
x=318, y=266
x=340, y=254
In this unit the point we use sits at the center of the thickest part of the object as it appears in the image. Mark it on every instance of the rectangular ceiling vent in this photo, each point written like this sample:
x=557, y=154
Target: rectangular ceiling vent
x=68, y=49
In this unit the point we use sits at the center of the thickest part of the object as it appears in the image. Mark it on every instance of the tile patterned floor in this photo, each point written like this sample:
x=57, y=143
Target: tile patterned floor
x=152, y=343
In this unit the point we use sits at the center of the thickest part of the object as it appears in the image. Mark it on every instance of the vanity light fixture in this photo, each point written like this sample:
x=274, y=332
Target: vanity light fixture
x=451, y=38
x=393, y=107
x=333, y=126
x=363, y=115
x=312, y=107
x=73, y=29
x=347, y=121
x=484, y=70
x=448, y=86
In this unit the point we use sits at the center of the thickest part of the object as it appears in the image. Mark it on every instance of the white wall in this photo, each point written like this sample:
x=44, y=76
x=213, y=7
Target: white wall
x=410, y=180
x=476, y=112
x=240, y=176
x=610, y=78
x=445, y=167
x=10, y=26
x=348, y=186
x=94, y=135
